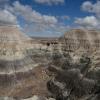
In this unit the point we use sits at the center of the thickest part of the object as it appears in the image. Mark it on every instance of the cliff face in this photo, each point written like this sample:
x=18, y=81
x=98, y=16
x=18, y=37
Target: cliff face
x=14, y=60
x=76, y=39
x=18, y=77
x=13, y=43
x=76, y=80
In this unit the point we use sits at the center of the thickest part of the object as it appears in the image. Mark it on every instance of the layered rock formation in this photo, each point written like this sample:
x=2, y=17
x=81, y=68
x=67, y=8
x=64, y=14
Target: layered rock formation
x=15, y=63
x=79, y=79
x=79, y=39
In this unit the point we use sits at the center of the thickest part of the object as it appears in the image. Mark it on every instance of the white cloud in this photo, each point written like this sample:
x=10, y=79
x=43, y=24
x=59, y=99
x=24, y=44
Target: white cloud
x=88, y=22
x=50, y=2
x=87, y=6
x=3, y=1
x=35, y=22
x=63, y=17
x=92, y=8
x=7, y=18
x=44, y=30
x=92, y=21
x=30, y=15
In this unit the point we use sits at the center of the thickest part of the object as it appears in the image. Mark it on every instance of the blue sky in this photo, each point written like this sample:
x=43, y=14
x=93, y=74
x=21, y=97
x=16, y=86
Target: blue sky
x=50, y=17
x=71, y=8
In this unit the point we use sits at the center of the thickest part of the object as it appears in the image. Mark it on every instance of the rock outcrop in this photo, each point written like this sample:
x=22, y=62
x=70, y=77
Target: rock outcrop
x=79, y=39
x=15, y=63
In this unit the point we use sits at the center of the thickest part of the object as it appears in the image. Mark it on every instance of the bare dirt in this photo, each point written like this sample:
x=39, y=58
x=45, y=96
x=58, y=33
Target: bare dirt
x=34, y=83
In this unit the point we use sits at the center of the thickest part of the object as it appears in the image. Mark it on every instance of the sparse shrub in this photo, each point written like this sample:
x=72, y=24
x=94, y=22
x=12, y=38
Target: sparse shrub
x=71, y=82
x=56, y=57
x=67, y=61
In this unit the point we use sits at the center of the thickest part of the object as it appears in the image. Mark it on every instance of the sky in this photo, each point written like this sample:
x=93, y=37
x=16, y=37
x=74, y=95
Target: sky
x=50, y=18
